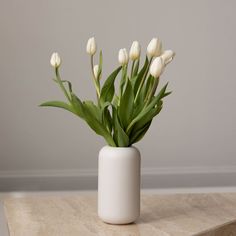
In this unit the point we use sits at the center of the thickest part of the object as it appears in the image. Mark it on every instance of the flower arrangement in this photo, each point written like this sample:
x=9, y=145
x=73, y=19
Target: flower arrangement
x=121, y=116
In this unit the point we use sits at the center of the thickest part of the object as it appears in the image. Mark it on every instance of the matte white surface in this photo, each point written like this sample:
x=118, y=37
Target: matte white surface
x=119, y=184
x=197, y=125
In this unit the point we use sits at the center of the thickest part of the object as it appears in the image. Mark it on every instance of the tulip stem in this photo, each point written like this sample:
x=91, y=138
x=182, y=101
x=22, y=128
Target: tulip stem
x=123, y=80
x=132, y=69
x=96, y=81
x=152, y=92
x=61, y=84
x=142, y=81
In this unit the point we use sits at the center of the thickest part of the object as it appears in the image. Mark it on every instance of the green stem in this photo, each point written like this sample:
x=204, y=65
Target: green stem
x=61, y=84
x=151, y=94
x=96, y=83
x=142, y=81
x=132, y=69
x=123, y=80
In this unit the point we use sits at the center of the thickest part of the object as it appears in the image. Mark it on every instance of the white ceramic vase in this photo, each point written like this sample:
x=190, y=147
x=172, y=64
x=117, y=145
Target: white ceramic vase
x=119, y=184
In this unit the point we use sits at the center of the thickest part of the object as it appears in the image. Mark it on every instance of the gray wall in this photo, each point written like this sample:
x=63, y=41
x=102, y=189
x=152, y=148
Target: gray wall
x=195, y=133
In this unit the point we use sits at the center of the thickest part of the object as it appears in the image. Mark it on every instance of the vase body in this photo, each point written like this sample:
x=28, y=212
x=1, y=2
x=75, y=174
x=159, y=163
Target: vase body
x=119, y=184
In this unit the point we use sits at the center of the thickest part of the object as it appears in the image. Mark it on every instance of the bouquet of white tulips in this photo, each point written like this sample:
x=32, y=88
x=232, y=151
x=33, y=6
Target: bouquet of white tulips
x=121, y=116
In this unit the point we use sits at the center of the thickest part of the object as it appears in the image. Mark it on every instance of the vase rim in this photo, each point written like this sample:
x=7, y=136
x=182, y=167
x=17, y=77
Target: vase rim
x=130, y=147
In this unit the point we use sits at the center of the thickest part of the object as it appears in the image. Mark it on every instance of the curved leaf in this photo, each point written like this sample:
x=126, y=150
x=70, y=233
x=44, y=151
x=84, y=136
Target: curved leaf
x=140, y=75
x=58, y=104
x=94, y=110
x=97, y=126
x=120, y=137
x=108, y=88
x=125, y=110
x=77, y=104
x=146, y=109
x=139, y=134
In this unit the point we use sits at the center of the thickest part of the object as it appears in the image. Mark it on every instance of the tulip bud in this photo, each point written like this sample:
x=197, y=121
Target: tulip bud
x=123, y=57
x=55, y=60
x=91, y=46
x=95, y=71
x=157, y=67
x=167, y=56
x=135, y=50
x=154, y=48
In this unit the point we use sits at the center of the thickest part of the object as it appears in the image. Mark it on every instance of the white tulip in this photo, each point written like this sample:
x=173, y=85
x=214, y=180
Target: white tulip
x=91, y=46
x=154, y=48
x=135, y=50
x=55, y=60
x=123, y=57
x=157, y=67
x=167, y=56
x=95, y=71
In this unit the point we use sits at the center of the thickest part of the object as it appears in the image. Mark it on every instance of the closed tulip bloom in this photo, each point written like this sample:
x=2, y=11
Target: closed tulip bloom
x=135, y=50
x=123, y=57
x=55, y=60
x=167, y=56
x=154, y=48
x=157, y=67
x=91, y=46
x=95, y=71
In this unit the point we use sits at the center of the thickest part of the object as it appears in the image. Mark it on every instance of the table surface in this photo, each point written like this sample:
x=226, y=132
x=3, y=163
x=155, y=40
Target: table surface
x=208, y=214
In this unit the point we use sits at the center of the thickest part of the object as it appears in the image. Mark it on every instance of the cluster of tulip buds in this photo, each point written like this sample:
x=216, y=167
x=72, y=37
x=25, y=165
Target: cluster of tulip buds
x=158, y=58
x=154, y=51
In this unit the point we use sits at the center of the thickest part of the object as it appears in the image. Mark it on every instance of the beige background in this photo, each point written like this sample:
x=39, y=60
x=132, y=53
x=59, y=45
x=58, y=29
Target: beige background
x=196, y=130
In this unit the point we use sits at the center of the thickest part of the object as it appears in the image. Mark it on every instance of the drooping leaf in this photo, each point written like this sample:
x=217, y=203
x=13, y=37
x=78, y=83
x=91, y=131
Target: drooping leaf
x=108, y=88
x=58, y=104
x=125, y=110
x=97, y=126
x=94, y=110
x=120, y=137
x=77, y=105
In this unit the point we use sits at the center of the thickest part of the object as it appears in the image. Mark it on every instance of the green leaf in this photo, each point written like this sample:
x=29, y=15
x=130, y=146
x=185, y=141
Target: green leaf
x=125, y=110
x=120, y=137
x=77, y=105
x=147, y=117
x=141, y=99
x=136, y=68
x=106, y=117
x=58, y=104
x=95, y=111
x=138, y=135
x=149, y=84
x=146, y=109
x=166, y=94
x=157, y=98
x=140, y=75
x=108, y=88
x=142, y=126
x=65, y=81
x=123, y=80
x=97, y=126
x=115, y=101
